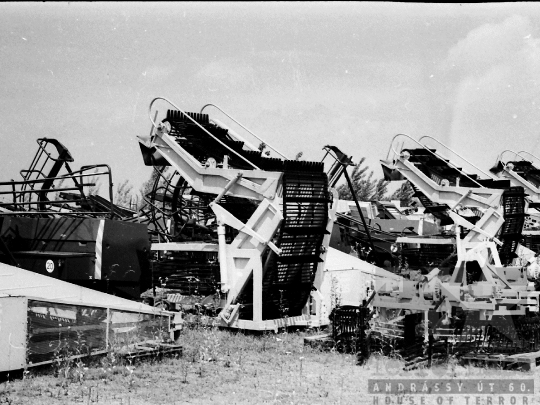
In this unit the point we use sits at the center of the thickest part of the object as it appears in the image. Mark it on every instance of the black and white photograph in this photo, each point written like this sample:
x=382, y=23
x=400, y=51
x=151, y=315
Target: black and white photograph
x=269, y=203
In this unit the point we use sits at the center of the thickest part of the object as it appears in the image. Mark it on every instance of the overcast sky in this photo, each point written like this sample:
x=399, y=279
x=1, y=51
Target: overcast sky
x=300, y=75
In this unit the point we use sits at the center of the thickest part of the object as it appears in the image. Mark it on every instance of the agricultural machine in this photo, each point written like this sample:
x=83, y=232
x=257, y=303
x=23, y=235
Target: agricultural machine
x=52, y=222
x=522, y=169
x=469, y=293
x=373, y=238
x=57, y=236
x=239, y=230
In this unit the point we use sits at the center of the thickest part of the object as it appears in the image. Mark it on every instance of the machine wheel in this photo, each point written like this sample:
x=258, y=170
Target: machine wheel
x=176, y=212
x=163, y=305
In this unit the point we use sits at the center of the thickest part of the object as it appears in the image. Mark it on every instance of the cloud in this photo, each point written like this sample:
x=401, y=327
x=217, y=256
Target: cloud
x=489, y=44
x=495, y=103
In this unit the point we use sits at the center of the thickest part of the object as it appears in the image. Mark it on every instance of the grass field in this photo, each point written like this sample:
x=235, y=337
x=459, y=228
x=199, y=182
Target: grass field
x=221, y=367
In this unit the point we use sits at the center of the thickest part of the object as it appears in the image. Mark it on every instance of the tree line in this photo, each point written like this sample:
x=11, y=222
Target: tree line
x=368, y=188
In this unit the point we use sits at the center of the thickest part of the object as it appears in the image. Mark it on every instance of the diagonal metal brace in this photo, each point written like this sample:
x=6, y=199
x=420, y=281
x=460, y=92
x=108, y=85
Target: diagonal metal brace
x=225, y=217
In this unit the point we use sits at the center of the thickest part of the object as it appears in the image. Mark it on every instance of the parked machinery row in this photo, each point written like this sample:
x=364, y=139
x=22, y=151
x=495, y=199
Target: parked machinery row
x=235, y=229
x=228, y=229
x=478, y=295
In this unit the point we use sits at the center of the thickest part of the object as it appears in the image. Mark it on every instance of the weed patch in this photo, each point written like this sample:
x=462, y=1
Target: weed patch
x=217, y=367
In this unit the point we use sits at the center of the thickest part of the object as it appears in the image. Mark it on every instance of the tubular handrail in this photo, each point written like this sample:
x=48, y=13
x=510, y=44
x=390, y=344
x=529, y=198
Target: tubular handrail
x=391, y=148
x=73, y=213
x=36, y=158
x=516, y=154
x=457, y=154
x=76, y=176
x=52, y=190
x=535, y=159
x=338, y=167
x=426, y=148
x=237, y=122
x=40, y=142
x=196, y=123
x=530, y=154
x=5, y=183
x=25, y=174
x=108, y=173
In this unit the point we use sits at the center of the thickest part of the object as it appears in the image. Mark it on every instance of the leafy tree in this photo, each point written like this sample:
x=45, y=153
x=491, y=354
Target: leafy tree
x=124, y=194
x=364, y=185
x=92, y=190
x=404, y=193
x=148, y=185
x=381, y=188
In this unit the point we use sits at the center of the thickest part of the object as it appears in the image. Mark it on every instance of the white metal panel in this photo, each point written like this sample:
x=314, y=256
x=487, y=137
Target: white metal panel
x=15, y=281
x=12, y=333
x=338, y=261
x=185, y=247
x=345, y=280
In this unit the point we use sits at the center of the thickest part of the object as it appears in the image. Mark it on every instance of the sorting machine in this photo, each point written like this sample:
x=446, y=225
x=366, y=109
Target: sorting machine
x=522, y=169
x=472, y=296
x=236, y=222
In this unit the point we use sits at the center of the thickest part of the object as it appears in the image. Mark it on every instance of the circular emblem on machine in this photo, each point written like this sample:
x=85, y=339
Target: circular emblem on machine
x=49, y=266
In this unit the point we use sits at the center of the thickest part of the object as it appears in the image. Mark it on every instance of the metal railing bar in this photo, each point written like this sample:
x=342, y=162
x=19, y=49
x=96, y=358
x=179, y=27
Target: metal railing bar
x=246, y=129
x=49, y=190
x=8, y=183
x=200, y=126
x=457, y=154
x=426, y=148
x=531, y=155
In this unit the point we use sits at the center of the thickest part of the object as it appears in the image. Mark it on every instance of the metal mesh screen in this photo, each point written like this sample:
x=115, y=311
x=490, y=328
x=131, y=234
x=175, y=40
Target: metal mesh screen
x=129, y=328
x=56, y=330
